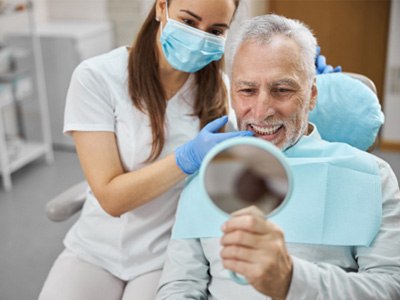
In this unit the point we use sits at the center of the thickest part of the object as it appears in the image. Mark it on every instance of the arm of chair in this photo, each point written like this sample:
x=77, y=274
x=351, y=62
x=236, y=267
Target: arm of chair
x=65, y=205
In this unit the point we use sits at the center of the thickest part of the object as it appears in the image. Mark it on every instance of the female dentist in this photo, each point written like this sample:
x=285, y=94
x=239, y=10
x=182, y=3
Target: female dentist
x=134, y=115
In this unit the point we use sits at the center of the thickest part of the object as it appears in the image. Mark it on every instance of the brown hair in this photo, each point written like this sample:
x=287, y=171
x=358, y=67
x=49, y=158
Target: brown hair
x=147, y=92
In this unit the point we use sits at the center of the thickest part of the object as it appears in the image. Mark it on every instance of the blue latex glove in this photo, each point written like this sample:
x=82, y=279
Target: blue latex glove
x=190, y=155
x=322, y=67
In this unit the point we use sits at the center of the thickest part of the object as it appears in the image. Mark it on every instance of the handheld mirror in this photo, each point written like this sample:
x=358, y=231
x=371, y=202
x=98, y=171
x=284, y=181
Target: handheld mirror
x=246, y=171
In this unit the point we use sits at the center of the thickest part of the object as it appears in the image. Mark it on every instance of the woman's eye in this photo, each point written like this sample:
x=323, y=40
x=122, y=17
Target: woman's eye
x=217, y=32
x=189, y=22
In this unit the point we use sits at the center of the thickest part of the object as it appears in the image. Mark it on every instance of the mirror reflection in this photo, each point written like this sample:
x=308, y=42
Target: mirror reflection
x=244, y=175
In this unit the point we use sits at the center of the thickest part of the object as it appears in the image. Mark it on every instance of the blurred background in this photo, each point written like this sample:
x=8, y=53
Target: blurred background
x=42, y=41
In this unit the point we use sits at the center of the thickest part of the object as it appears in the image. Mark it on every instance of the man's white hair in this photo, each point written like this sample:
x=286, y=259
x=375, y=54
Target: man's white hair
x=262, y=29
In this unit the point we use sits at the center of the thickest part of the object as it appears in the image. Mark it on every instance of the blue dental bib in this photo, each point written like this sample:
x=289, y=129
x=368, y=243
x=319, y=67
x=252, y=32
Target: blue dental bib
x=336, y=198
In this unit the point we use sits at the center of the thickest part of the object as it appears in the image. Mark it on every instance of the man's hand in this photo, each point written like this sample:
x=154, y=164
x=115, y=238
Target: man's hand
x=255, y=248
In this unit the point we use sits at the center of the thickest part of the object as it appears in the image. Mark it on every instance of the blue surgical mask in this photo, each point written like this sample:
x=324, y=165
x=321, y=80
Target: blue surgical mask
x=189, y=49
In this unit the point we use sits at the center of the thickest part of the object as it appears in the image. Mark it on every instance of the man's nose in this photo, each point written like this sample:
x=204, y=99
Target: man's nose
x=264, y=107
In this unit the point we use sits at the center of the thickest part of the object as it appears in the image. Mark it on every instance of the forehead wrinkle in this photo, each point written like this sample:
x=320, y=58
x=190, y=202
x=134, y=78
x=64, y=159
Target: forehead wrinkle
x=286, y=81
x=246, y=83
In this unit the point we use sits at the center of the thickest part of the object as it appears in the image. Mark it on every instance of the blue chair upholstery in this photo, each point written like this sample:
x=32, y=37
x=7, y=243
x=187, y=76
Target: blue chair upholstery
x=347, y=110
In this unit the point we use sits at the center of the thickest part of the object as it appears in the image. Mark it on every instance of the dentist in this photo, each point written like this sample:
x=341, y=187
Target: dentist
x=135, y=115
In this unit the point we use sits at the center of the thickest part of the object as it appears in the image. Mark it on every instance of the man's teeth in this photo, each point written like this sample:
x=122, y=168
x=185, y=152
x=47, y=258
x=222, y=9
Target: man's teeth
x=265, y=130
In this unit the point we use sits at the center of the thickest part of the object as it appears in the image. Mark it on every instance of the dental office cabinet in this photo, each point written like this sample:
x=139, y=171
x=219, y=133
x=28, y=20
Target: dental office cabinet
x=22, y=84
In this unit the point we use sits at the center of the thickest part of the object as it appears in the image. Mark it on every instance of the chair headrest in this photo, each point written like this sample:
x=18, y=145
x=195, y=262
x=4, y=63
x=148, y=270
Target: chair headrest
x=346, y=111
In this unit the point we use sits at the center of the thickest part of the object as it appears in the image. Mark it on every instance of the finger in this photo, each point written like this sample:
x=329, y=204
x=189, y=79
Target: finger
x=318, y=50
x=328, y=69
x=250, y=210
x=239, y=253
x=216, y=125
x=337, y=69
x=250, y=223
x=321, y=63
x=243, y=239
x=218, y=137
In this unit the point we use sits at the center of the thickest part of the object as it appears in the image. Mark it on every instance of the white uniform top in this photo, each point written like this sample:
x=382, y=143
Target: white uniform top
x=98, y=100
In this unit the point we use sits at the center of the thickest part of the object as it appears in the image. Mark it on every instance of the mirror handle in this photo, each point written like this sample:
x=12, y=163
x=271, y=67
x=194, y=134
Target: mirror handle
x=238, y=278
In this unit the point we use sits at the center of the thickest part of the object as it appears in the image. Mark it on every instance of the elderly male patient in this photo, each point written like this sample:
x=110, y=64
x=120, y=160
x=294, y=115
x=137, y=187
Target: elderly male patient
x=273, y=88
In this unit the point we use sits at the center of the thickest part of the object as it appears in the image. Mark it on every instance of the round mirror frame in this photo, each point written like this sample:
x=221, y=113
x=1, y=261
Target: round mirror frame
x=248, y=141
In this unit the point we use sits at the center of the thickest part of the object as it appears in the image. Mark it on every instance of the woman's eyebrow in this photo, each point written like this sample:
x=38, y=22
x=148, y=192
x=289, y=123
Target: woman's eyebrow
x=200, y=18
x=192, y=14
x=221, y=25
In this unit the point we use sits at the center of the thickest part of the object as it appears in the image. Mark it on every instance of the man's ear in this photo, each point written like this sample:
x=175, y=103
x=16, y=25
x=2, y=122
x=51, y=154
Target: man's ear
x=314, y=94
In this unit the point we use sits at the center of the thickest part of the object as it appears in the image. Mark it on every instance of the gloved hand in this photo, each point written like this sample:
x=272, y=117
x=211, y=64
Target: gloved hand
x=321, y=66
x=190, y=155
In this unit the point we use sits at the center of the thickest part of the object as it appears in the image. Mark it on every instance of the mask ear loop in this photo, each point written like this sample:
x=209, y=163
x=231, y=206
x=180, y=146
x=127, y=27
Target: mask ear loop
x=166, y=11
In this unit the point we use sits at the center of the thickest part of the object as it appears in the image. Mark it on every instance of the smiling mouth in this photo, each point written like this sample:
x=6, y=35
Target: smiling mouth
x=265, y=130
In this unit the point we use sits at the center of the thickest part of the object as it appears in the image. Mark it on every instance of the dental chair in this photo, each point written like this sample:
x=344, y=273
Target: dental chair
x=347, y=110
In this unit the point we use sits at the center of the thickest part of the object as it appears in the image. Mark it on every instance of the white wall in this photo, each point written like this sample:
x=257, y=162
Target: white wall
x=125, y=15
x=12, y=21
x=88, y=10
x=391, y=129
